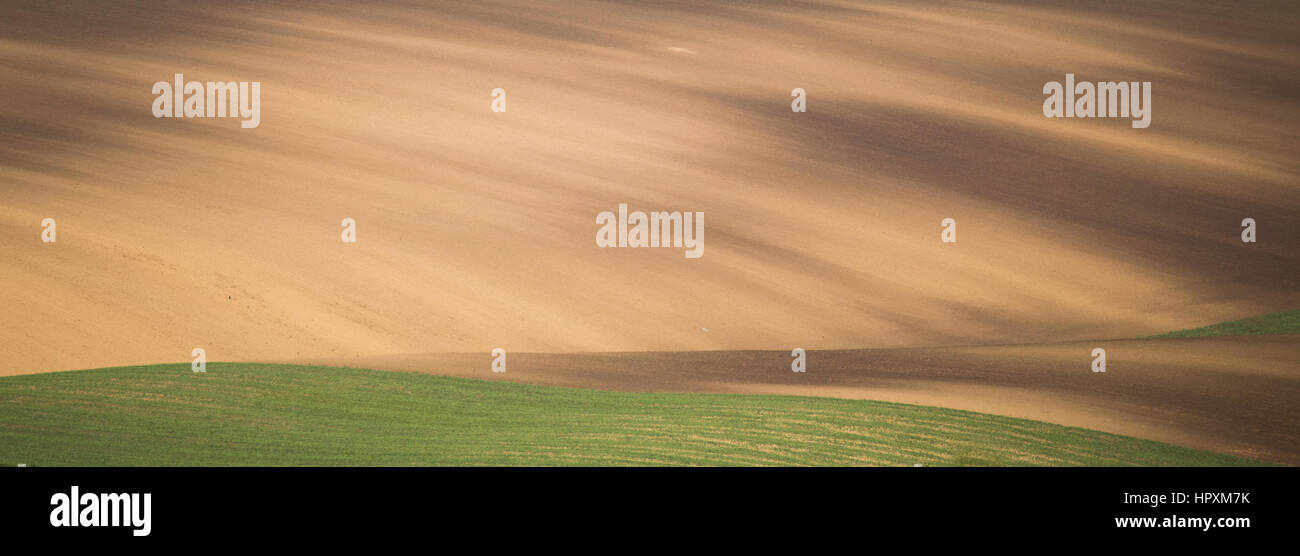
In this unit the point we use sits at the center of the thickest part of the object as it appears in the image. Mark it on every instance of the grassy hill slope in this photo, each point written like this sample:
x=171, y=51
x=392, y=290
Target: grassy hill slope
x=1285, y=322
x=274, y=415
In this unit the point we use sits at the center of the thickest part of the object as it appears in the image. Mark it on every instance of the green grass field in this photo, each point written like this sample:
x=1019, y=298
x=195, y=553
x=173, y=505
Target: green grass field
x=277, y=415
x=1285, y=322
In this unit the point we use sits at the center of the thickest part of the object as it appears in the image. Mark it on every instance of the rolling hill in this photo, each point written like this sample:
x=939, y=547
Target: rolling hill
x=276, y=415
